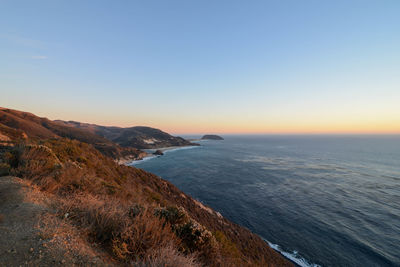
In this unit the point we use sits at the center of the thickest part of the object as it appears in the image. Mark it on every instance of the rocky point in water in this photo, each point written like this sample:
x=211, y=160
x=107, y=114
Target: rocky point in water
x=212, y=137
x=158, y=152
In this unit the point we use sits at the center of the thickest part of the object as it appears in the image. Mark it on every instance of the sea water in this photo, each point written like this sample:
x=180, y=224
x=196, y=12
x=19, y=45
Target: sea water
x=319, y=200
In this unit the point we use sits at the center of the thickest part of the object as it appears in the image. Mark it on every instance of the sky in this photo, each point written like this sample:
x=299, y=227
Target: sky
x=205, y=66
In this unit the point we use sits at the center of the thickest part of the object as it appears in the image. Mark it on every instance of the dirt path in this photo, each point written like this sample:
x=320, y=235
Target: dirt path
x=29, y=238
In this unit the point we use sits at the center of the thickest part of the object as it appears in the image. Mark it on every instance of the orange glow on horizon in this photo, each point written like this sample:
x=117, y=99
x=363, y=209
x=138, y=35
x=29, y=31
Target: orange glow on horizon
x=236, y=124
x=287, y=128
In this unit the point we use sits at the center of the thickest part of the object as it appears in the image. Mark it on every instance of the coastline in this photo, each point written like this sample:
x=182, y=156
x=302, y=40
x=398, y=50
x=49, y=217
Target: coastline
x=149, y=154
x=293, y=257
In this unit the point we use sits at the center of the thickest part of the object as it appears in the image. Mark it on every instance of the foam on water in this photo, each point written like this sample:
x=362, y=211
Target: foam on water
x=164, y=150
x=179, y=148
x=136, y=162
x=294, y=257
x=333, y=199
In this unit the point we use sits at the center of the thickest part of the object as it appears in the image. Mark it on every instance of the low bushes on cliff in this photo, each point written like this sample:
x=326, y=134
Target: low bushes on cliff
x=134, y=215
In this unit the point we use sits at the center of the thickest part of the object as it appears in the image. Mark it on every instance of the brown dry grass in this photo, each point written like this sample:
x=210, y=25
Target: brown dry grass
x=111, y=222
x=168, y=257
x=117, y=207
x=60, y=235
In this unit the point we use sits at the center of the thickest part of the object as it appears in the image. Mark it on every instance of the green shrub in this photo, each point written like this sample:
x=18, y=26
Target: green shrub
x=189, y=235
x=171, y=214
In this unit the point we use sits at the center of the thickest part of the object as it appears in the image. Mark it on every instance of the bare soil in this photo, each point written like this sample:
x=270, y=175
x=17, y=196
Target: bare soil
x=31, y=234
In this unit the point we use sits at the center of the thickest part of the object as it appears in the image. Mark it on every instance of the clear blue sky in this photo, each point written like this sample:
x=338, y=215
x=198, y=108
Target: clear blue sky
x=205, y=66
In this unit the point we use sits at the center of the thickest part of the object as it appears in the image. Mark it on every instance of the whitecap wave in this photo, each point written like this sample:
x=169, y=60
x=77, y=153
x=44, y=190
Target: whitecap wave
x=293, y=256
x=179, y=148
x=164, y=150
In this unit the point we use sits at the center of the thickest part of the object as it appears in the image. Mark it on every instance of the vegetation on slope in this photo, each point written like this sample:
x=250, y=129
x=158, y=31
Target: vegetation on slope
x=34, y=127
x=140, y=137
x=134, y=215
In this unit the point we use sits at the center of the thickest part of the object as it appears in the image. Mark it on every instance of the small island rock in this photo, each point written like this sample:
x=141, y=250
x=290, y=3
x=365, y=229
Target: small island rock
x=158, y=152
x=212, y=137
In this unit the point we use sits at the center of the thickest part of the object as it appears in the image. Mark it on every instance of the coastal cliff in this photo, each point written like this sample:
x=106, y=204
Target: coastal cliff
x=121, y=144
x=139, y=137
x=124, y=215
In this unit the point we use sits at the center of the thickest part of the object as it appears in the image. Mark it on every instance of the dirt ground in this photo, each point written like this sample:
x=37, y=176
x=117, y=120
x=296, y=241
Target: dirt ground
x=32, y=235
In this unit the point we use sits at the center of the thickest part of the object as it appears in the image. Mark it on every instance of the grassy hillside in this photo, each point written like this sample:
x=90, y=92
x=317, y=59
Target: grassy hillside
x=139, y=136
x=36, y=128
x=134, y=215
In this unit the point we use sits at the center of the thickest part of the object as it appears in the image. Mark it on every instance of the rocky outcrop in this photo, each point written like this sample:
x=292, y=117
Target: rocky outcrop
x=158, y=152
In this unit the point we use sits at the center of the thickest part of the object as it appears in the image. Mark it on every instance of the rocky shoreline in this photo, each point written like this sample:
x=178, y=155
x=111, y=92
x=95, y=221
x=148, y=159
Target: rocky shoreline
x=153, y=153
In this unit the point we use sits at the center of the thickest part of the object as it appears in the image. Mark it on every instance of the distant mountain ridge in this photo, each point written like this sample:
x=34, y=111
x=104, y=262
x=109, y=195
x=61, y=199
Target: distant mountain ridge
x=140, y=137
x=16, y=125
x=115, y=142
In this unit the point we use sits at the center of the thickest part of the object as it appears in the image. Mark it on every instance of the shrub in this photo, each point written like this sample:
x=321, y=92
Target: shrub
x=229, y=248
x=171, y=214
x=4, y=169
x=111, y=222
x=168, y=257
x=135, y=210
x=146, y=233
x=130, y=212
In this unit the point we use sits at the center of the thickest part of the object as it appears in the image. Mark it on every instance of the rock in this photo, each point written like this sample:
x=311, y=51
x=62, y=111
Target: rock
x=158, y=152
x=212, y=137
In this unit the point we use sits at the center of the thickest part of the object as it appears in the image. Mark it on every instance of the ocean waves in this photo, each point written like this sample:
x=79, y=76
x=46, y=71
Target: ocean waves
x=293, y=256
x=326, y=201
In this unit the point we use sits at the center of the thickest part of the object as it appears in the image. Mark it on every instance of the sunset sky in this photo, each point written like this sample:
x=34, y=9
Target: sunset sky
x=206, y=66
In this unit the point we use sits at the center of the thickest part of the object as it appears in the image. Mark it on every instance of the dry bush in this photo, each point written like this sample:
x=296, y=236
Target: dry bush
x=119, y=207
x=4, y=169
x=1, y=218
x=168, y=257
x=34, y=161
x=100, y=216
x=60, y=235
x=128, y=230
x=146, y=233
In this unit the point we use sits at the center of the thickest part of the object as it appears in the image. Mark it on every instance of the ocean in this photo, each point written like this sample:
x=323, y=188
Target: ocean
x=324, y=200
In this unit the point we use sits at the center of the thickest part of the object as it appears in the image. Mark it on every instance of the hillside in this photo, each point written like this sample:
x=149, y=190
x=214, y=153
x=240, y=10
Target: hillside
x=132, y=216
x=17, y=125
x=130, y=213
x=140, y=137
x=31, y=233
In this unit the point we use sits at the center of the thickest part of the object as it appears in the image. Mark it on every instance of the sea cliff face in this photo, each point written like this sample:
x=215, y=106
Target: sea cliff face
x=133, y=216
